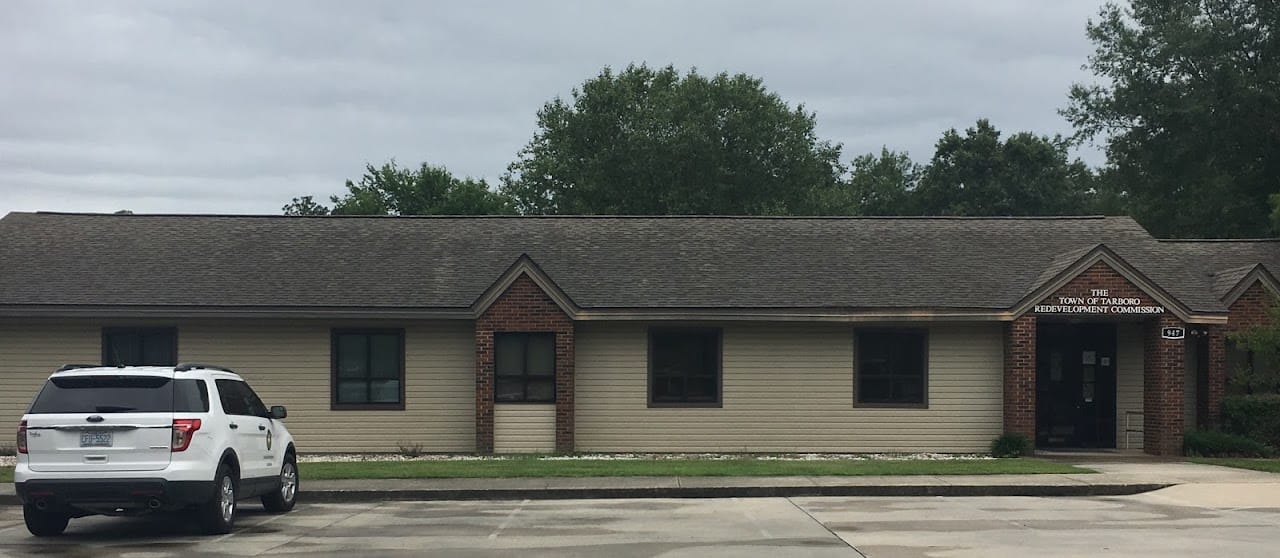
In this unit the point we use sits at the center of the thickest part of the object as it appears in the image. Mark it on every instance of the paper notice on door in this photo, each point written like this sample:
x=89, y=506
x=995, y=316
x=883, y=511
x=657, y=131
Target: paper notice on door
x=1089, y=357
x=1106, y=361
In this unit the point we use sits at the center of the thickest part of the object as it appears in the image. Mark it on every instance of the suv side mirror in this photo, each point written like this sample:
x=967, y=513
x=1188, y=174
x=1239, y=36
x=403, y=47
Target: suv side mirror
x=278, y=412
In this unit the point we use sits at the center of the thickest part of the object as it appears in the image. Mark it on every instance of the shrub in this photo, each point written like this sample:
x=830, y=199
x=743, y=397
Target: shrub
x=1210, y=443
x=410, y=449
x=1011, y=444
x=1254, y=416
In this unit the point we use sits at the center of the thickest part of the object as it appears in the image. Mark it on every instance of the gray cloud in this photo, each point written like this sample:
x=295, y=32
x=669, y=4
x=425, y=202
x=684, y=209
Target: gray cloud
x=239, y=106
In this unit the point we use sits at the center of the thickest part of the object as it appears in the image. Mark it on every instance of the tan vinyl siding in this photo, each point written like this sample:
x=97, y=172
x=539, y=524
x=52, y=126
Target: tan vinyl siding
x=788, y=387
x=287, y=363
x=524, y=428
x=29, y=352
x=1129, y=381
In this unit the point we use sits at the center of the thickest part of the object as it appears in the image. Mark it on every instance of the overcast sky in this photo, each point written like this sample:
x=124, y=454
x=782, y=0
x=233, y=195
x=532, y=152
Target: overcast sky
x=236, y=107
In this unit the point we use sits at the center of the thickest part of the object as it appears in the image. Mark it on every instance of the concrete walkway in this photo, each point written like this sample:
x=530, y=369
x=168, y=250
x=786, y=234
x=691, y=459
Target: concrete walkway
x=1111, y=479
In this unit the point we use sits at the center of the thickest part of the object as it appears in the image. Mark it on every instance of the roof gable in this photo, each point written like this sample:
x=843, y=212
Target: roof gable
x=1074, y=264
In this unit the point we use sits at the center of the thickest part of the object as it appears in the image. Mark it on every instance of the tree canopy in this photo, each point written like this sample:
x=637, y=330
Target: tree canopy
x=654, y=141
x=394, y=190
x=1189, y=110
x=977, y=174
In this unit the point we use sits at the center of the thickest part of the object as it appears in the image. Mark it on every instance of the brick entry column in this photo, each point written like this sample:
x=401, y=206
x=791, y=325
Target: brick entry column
x=1163, y=389
x=524, y=307
x=1217, y=380
x=1020, y=376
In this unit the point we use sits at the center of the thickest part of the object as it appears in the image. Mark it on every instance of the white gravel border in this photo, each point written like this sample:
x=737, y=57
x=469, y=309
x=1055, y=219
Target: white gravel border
x=357, y=457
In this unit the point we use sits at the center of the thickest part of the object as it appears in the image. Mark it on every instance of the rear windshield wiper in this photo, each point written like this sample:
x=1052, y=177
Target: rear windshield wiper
x=112, y=409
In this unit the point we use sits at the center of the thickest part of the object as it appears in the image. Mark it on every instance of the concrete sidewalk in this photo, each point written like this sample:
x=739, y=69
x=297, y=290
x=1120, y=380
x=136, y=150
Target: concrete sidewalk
x=1111, y=479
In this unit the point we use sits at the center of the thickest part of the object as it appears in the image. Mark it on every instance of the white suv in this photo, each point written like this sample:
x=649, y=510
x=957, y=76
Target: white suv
x=131, y=440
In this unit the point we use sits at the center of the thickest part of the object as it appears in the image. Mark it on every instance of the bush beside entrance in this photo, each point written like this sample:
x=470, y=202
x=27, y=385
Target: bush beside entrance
x=1255, y=416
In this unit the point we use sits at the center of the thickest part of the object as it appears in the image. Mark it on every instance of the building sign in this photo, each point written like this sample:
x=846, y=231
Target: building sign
x=1099, y=301
x=1173, y=333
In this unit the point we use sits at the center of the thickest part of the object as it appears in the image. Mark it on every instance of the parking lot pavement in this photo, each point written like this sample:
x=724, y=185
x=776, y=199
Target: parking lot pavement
x=1163, y=523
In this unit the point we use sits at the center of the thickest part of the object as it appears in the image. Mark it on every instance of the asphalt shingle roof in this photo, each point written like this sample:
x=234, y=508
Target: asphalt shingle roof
x=599, y=262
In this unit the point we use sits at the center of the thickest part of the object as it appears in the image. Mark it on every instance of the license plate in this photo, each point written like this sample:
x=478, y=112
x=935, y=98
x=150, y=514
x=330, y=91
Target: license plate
x=95, y=439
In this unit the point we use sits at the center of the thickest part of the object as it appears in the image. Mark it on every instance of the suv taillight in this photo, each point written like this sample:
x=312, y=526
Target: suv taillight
x=183, y=431
x=22, y=437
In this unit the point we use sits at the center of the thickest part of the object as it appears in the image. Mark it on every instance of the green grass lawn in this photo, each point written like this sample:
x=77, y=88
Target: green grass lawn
x=1267, y=465
x=6, y=474
x=533, y=467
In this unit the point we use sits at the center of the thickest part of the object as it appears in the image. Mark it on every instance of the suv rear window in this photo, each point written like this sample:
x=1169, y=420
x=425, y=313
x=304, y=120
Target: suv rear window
x=121, y=394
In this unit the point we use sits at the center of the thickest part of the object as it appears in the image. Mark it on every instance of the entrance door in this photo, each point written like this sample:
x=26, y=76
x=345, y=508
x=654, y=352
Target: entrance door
x=1076, y=385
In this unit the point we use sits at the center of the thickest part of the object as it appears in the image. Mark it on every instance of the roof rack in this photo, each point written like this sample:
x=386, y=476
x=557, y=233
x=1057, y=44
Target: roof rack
x=189, y=366
x=67, y=367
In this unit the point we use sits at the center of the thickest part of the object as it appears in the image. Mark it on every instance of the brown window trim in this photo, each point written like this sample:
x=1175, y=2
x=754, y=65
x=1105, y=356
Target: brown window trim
x=857, y=334
x=719, y=401
x=107, y=331
x=334, y=405
x=524, y=376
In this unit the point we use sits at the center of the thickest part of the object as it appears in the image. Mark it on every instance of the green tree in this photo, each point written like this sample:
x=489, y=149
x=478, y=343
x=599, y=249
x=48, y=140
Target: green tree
x=979, y=174
x=879, y=185
x=305, y=206
x=653, y=141
x=1263, y=341
x=1189, y=110
x=394, y=190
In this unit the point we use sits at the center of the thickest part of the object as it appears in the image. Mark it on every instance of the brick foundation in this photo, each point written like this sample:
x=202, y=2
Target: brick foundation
x=524, y=307
x=1020, y=377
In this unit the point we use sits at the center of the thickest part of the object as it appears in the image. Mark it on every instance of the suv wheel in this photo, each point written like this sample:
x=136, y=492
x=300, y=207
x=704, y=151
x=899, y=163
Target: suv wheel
x=218, y=515
x=44, y=523
x=283, y=499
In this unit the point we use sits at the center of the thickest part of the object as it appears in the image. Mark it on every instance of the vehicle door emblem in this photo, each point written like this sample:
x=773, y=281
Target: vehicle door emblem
x=94, y=418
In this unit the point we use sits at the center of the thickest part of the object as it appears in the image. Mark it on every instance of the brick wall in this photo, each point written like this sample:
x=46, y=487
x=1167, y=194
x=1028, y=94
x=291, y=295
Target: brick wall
x=1250, y=309
x=1100, y=276
x=1020, y=376
x=1163, y=389
x=524, y=307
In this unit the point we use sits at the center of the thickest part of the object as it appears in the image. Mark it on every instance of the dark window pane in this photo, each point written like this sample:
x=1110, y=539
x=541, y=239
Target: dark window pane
x=384, y=356
x=190, y=396
x=508, y=354
x=139, y=347
x=542, y=355
x=541, y=391
x=353, y=391
x=353, y=356
x=891, y=367
x=524, y=366
x=368, y=367
x=509, y=389
x=685, y=365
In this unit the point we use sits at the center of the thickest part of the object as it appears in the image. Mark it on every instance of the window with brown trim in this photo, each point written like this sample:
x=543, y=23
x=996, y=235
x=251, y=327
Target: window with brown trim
x=139, y=346
x=524, y=366
x=684, y=367
x=892, y=368
x=367, y=369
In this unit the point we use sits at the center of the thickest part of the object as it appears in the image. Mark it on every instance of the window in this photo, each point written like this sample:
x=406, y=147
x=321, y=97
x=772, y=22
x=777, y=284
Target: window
x=891, y=368
x=524, y=367
x=238, y=399
x=138, y=346
x=120, y=394
x=684, y=367
x=368, y=369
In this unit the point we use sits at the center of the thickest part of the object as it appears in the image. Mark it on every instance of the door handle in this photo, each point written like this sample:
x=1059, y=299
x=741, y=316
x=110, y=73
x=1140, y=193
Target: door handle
x=234, y=426
x=261, y=427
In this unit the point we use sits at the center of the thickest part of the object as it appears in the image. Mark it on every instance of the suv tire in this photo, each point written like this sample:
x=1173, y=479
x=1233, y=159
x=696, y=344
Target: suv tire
x=286, y=494
x=44, y=523
x=218, y=515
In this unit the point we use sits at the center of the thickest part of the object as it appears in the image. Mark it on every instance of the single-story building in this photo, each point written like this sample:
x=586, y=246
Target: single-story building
x=651, y=334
